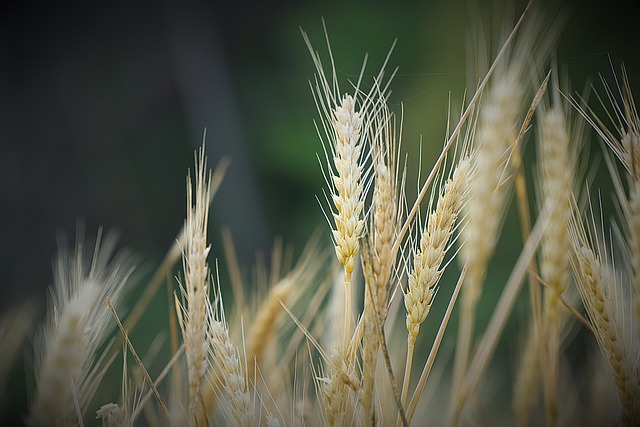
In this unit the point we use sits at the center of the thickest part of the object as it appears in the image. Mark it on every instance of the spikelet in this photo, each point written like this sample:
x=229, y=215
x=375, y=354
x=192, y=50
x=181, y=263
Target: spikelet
x=121, y=414
x=78, y=323
x=273, y=421
x=263, y=328
x=335, y=389
x=335, y=394
x=386, y=205
x=193, y=318
x=485, y=208
x=294, y=292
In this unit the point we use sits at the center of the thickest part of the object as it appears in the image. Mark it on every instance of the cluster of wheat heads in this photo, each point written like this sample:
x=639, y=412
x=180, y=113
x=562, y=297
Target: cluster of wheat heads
x=332, y=338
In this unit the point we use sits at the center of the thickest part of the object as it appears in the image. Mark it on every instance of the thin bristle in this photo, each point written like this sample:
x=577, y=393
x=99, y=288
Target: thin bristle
x=624, y=142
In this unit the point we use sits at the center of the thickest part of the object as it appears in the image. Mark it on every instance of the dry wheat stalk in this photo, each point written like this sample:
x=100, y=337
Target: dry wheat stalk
x=558, y=146
x=556, y=176
x=384, y=222
x=356, y=161
x=193, y=321
x=266, y=326
x=343, y=123
x=78, y=323
x=348, y=193
x=338, y=388
x=345, y=126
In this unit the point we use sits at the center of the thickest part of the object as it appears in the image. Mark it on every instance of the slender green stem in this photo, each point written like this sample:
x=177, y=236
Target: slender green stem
x=407, y=369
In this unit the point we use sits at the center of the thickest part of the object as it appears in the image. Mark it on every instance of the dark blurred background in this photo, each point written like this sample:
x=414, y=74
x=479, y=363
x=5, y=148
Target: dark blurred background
x=103, y=103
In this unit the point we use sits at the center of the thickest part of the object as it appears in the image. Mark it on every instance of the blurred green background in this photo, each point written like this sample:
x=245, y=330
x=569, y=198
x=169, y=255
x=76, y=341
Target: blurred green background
x=102, y=105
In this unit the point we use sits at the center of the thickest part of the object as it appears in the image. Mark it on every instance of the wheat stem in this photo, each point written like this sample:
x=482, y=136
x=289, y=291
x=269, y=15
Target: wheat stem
x=426, y=370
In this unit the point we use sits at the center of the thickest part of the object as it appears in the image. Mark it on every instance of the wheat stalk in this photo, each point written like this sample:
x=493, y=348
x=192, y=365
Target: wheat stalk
x=384, y=222
x=343, y=122
x=526, y=387
x=193, y=321
x=346, y=121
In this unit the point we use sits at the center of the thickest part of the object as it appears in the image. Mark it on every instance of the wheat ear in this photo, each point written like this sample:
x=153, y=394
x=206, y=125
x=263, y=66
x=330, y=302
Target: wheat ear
x=195, y=287
x=77, y=326
x=597, y=285
x=428, y=256
x=488, y=196
x=556, y=176
x=497, y=133
x=625, y=144
x=264, y=325
x=229, y=370
x=384, y=222
x=343, y=122
x=336, y=395
x=348, y=196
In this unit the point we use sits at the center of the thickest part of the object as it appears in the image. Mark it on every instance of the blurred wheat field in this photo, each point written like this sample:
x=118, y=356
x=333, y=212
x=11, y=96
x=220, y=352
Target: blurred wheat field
x=481, y=276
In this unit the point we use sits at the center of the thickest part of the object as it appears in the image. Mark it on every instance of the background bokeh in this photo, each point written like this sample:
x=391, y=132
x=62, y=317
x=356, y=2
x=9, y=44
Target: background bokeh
x=103, y=103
